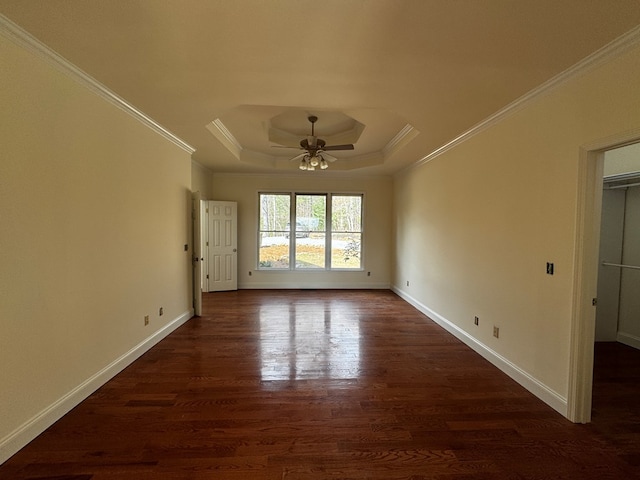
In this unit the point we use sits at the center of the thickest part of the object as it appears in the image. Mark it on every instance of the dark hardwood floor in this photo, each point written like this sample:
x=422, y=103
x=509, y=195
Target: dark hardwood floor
x=341, y=385
x=616, y=399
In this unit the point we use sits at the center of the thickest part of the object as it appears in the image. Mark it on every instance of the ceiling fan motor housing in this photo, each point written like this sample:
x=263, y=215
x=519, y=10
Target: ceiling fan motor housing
x=315, y=148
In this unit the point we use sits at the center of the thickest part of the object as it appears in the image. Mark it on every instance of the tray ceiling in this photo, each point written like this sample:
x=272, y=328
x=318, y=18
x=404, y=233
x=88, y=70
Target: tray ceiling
x=415, y=74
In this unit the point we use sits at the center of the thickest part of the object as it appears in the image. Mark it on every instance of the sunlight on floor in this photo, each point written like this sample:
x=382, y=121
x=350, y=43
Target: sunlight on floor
x=309, y=341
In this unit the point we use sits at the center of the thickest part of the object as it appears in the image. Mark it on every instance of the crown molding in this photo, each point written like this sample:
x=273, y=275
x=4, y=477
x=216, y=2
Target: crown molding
x=403, y=137
x=617, y=47
x=27, y=41
x=224, y=136
x=325, y=174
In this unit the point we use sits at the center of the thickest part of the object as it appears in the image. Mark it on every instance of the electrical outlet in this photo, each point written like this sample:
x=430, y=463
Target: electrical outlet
x=146, y=320
x=250, y=273
x=407, y=283
x=496, y=331
x=476, y=321
x=161, y=312
x=368, y=274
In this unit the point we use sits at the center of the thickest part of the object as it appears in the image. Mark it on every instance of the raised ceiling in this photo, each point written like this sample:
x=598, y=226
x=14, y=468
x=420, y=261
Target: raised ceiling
x=415, y=74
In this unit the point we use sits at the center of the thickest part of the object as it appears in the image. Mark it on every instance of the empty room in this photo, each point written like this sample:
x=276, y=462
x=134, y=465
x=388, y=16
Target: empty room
x=349, y=239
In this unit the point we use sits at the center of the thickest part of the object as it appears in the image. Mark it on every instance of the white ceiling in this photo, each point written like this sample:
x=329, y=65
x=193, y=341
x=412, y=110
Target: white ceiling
x=415, y=73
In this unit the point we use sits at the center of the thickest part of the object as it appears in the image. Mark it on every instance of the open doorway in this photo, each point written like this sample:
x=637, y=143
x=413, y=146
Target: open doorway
x=618, y=312
x=616, y=366
x=588, y=220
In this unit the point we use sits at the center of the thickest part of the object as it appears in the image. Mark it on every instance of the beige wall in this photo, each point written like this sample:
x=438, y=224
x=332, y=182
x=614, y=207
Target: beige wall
x=94, y=216
x=201, y=180
x=377, y=228
x=476, y=225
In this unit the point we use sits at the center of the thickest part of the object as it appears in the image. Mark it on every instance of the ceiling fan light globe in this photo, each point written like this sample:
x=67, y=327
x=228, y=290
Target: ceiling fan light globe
x=303, y=164
x=323, y=164
x=314, y=161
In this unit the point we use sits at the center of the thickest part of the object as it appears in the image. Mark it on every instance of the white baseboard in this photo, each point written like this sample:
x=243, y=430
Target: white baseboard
x=29, y=430
x=628, y=339
x=536, y=387
x=313, y=285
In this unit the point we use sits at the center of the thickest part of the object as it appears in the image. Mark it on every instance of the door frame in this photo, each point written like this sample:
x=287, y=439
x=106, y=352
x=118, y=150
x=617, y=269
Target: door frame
x=196, y=258
x=587, y=242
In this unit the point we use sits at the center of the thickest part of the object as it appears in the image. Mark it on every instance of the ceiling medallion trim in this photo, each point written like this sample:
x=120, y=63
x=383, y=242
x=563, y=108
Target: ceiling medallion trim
x=25, y=40
x=612, y=50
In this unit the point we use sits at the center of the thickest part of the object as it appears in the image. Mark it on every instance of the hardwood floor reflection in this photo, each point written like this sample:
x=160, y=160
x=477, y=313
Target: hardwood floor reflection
x=309, y=339
x=616, y=398
x=310, y=385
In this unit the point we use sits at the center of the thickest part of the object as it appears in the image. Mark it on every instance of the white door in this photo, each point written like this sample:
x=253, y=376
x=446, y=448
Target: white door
x=223, y=246
x=197, y=252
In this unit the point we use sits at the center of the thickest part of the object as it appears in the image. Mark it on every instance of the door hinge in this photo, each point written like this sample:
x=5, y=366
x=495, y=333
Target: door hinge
x=594, y=302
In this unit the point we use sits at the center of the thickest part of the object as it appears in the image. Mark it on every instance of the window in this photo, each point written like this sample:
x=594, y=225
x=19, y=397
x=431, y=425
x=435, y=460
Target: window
x=274, y=231
x=310, y=231
x=346, y=231
x=310, y=248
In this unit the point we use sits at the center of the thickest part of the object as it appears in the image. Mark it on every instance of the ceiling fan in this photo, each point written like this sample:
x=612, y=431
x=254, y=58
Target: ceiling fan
x=316, y=150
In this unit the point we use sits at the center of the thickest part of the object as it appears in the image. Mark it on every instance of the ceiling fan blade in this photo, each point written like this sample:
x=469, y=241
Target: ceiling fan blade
x=327, y=157
x=347, y=146
x=298, y=157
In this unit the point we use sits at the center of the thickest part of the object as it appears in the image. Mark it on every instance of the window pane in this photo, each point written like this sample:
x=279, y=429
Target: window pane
x=310, y=251
x=346, y=250
x=274, y=211
x=274, y=250
x=311, y=214
x=311, y=211
x=346, y=227
x=346, y=213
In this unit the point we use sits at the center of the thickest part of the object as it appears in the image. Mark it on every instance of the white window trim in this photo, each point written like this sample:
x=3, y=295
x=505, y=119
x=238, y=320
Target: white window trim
x=328, y=232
